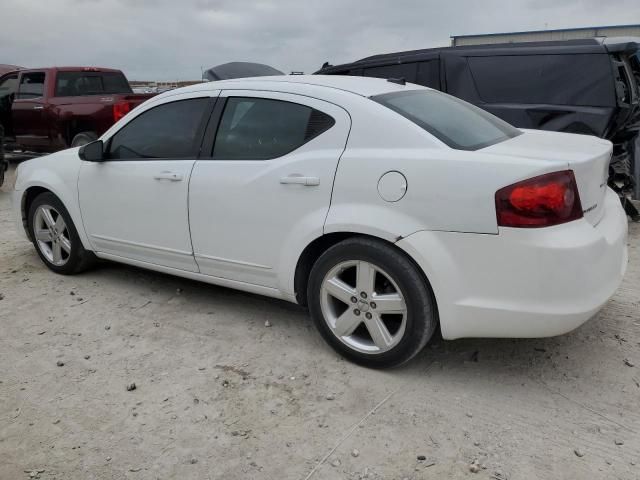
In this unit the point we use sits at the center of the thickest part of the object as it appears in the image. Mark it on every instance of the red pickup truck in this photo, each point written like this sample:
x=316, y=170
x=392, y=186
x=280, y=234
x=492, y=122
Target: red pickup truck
x=49, y=109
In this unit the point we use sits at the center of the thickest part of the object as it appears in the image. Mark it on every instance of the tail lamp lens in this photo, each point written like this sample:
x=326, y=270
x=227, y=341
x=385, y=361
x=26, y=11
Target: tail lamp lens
x=120, y=110
x=542, y=201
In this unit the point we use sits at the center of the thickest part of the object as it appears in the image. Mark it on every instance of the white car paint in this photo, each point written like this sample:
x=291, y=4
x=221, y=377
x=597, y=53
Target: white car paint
x=151, y=195
x=156, y=229
x=524, y=282
x=235, y=224
x=288, y=216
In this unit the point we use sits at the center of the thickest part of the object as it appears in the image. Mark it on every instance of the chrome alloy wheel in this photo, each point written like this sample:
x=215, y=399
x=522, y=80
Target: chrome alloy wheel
x=52, y=235
x=363, y=306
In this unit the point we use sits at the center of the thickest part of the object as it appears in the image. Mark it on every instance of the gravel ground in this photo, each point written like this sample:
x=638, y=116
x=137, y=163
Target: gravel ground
x=218, y=395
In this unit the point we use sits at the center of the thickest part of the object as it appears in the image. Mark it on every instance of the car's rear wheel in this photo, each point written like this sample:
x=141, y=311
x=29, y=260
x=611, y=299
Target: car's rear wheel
x=55, y=236
x=371, y=303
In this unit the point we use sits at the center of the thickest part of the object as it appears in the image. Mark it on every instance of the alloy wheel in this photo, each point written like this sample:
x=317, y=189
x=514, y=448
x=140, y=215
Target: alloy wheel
x=363, y=306
x=52, y=235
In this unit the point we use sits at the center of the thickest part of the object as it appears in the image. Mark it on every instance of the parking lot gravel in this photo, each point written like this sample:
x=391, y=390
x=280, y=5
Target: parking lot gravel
x=121, y=373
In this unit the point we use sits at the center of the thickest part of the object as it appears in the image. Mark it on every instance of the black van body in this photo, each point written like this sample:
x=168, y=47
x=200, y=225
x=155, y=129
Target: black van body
x=588, y=86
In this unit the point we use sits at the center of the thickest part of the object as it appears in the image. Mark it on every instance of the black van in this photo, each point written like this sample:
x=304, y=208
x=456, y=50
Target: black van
x=588, y=86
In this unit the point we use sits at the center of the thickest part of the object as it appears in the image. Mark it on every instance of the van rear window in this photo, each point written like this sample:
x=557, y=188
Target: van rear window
x=78, y=84
x=581, y=79
x=455, y=122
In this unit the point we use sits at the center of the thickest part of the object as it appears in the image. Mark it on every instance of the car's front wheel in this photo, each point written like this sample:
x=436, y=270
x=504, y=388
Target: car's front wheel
x=371, y=303
x=55, y=237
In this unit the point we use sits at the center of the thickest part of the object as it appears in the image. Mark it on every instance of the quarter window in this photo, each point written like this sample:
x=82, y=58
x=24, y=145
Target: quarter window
x=31, y=85
x=429, y=74
x=262, y=129
x=171, y=130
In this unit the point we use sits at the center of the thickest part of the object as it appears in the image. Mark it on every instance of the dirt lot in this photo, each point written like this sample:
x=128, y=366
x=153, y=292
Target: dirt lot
x=220, y=395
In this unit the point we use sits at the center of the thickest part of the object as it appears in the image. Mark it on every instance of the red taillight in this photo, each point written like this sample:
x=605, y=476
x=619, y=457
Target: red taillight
x=541, y=201
x=120, y=110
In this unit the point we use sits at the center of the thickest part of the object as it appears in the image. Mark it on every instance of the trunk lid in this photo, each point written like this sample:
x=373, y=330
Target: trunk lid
x=586, y=155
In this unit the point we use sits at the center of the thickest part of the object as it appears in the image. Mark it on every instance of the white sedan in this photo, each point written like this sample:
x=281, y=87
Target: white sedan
x=389, y=209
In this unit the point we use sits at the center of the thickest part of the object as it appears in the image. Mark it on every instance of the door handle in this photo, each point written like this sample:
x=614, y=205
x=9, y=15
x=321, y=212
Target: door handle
x=171, y=176
x=300, y=180
x=38, y=107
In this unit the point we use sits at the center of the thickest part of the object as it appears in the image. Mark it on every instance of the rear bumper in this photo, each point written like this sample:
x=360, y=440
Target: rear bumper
x=523, y=282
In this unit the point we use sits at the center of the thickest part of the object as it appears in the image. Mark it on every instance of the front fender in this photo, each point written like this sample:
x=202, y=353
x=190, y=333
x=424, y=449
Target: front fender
x=62, y=181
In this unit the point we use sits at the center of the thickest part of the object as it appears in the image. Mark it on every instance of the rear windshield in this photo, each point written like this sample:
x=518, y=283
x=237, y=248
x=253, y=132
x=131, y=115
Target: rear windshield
x=77, y=84
x=457, y=123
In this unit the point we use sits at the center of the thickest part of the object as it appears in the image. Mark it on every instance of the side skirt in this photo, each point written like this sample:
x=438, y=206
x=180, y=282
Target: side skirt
x=223, y=282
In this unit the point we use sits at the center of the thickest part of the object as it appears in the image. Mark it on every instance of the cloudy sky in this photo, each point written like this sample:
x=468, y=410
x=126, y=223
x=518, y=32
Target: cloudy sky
x=172, y=39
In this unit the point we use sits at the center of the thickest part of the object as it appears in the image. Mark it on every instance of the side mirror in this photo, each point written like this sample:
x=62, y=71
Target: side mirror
x=92, y=152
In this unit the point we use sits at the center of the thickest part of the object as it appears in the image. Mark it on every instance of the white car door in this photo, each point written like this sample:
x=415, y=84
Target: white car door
x=134, y=203
x=266, y=188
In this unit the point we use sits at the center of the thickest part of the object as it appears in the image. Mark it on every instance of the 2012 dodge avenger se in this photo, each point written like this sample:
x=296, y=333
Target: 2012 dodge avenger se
x=387, y=208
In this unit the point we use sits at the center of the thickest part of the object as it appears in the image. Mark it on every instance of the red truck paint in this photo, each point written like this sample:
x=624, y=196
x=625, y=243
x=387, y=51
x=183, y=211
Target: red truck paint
x=4, y=68
x=48, y=123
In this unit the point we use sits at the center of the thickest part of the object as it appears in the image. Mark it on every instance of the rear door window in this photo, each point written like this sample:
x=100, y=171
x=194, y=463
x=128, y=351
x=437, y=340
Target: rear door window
x=170, y=130
x=581, y=79
x=263, y=129
x=77, y=84
x=31, y=85
x=455, y=122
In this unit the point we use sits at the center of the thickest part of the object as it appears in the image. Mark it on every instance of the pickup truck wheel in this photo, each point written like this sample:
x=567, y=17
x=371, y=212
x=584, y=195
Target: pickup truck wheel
x=55, y=236
x=83, y=138
x=4, y=165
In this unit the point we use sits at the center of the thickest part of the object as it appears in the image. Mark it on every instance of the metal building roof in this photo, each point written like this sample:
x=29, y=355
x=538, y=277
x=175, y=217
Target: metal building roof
x=557, y=30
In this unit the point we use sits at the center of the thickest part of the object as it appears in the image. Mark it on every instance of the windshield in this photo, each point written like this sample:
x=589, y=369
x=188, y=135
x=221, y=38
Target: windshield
x=457, y=123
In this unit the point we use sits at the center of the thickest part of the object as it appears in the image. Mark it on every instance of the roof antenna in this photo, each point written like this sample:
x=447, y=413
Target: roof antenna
x=399, y=81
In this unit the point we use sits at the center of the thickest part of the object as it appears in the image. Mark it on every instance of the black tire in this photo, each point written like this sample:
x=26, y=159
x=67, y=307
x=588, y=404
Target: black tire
x=83, y=138
x=4, y=165
x=421, y=316
x=3, y=169
x=78, y=259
